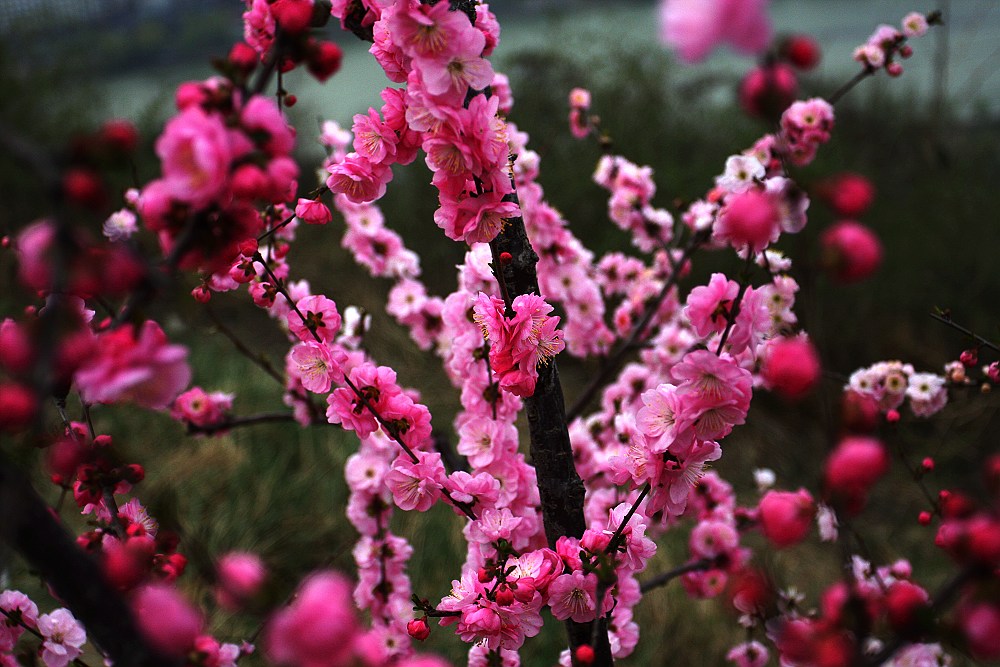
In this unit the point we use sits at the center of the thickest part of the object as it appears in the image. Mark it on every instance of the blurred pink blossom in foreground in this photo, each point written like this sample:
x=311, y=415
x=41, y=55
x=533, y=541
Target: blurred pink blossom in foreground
x=694, y=27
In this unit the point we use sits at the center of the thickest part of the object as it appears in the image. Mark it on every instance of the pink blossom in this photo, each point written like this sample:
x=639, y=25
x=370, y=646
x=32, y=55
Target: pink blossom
x=166, y=618
x=316, y=365
x=786, y=516
x=314, y=317
x=359, y=179
x=492, y=525
x=429, y=31
x=416, y=486
x=749, y=654
x=195, y=151
x=748, y=220
x=201, y=408
x=261, y=117
x=708, y=306
x=574, y=596
x=18, y=606
x=373, y=138
x=318, y=629
x=313, y=212
x=240, y=577
x=695, y=27
x=130, y=365
x=63, y=638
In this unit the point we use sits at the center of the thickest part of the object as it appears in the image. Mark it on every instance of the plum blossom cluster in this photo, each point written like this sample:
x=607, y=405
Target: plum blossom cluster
x=223, y=153
x=886, y=43
x=62, y=636
x=440, y=55
x=520, y=343
x=644, y=454
x=890, y=383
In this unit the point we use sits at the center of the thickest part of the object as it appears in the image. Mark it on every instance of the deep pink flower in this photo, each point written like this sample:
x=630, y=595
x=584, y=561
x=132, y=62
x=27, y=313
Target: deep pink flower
x=791, y=366
x=262, y=117
x=708, y=306
x=748, y=220
x=314, y=315
x=240, y=577
x=416, y=486
x=195, y=151
x=166, y=618
x=130, y=365
x=318, y=629
x=574, y=596
x=200, y=407
x=786, y=516
x=359, y=179
x=313, y=212
x=851, y=251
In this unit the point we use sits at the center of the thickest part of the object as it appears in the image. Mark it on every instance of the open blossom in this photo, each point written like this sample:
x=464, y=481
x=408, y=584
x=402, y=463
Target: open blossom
x=518, y=344
x=200, y=407
x=195, y=151
x=16, y=604
x=574, y=596
x=416, y=486
x=139, y=366
x=317, y=365
x=63, y=636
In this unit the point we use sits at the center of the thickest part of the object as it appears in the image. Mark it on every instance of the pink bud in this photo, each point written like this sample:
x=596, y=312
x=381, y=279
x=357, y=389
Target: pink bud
x=169, y=622
x=851, y=251
x=749, y=219
x=848, y=194
x=791, y=367
x=324, y=60
x=241, y=576
x=904, y=603
x=785, y=516
x=852, y=468
x=768, y=90
x=980, y=623
x=313, y=212
x=292, y=15
x=802, y=51
x=418, y=629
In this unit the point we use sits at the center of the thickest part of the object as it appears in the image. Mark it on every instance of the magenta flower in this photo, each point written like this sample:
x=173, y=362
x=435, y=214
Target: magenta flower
x=196, y=153
x=139, y=366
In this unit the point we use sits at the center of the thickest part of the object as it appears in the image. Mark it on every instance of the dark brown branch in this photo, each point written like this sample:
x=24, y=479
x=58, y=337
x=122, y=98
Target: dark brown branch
x=666, y=577
x=30, y=528
x=945, y=318
x=559, y=486
x=236, y=422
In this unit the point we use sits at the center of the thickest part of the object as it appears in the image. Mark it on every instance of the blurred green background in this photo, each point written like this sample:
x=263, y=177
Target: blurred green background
x=279, y=490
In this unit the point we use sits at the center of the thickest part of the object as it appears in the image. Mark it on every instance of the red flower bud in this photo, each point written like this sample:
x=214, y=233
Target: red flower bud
x=584, y=654
x=802, y=51
x=418, y=628
x=324, y=60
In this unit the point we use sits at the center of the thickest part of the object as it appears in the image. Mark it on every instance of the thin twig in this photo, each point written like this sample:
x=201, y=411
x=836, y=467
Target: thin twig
x=668, y=576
